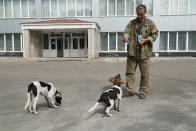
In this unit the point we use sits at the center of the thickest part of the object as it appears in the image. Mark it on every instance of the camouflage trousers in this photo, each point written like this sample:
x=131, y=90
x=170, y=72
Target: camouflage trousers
x=132, y=63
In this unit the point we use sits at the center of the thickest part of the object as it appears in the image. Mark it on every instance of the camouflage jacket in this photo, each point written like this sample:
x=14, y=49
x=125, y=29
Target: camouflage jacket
x=148, y=30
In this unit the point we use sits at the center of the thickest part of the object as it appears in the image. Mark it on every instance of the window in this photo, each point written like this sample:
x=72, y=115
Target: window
x=1, y=42
x=104, y=41
x=149, y=6
x=178, y=7
x=121, y=44
x=79, y=7
x=81, y=43
x=172, y=41
x=17, y=42
x=1, y=9
x=163, y=41
x=8, y=42
x=103, y=7
x=88, y=7
x=173, y=7
x=53, y=8
x=24, y=8
x=53, y=44
x=16, y=8
x=181, y=40
x=46, y=41
x=62, y=8
x=192, y=9
x=71, y=7
x=121, y=7
x=130, y=7
x=45, y=8
x=111, y=7
x=75, y=43
x=183, y=7
x=177, y=39
x=32, y=10
x=112, y=42
x=8, y=9
x=164, y=7
x=66, y=44
x=192, y=41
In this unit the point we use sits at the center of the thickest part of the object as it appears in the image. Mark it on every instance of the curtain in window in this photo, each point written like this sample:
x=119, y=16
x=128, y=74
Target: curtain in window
x=1, y=41
x=192, y=9
x=104, y=41
x=24, y=8
x=173, y=7
x=111, y=7
x=181, y=40
x=120, y=7
x=121, y=44
x=8, y=9
x=112, y=41
x=16, y=8
x=62, y=8
x=1, y=9
x=79, y=7
x=164, y=7
x=88, y=7
x=71, y=7
x=17, y=42
x=149, y=6
x=53, y=8
x=103, y=7
x=163, y=41
x=172, y=40
x=129, y=7
x=32, y=10
x=8, y=42
x=192, y=41
x=45, y=8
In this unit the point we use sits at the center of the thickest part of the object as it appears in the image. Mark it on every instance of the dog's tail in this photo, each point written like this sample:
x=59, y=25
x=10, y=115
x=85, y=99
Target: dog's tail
x=94, y=107
x=28, y=101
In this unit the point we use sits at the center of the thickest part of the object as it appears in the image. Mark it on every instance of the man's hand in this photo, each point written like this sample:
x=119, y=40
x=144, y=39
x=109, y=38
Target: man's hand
x=143, y=41
x=125, y=39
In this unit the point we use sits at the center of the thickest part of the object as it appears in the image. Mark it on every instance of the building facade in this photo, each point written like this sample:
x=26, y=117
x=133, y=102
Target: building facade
x=91, y=28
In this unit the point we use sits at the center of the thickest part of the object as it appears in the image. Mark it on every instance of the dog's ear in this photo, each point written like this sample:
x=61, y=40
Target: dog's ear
x=111, y=79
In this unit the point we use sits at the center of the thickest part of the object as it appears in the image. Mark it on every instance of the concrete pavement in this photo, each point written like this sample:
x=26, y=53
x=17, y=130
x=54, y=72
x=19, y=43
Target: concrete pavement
x=170, y=104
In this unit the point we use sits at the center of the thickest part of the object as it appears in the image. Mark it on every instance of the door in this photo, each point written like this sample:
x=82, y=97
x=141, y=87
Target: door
x=59, y=47
x=78, y=47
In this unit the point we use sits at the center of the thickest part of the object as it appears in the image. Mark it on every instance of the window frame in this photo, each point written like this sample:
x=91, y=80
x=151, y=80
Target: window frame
x=58, y=11
x=177, y=42
x=20, y=14
x=178, y=11
x=116, y=44
x=125, y=10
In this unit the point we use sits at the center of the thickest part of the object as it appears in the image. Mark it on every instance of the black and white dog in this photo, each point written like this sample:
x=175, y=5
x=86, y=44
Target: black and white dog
x=37, y=88
x=109, y=97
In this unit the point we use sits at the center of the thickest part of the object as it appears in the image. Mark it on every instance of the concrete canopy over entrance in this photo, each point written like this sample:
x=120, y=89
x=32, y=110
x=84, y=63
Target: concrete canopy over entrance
x=66, y=38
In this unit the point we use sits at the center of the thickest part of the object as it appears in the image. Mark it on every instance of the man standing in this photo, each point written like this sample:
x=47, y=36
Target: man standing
x=141, y=32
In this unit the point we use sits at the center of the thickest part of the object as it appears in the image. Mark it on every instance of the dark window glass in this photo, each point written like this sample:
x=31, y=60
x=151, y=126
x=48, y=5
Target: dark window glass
x=82, y=43
x=53, y=44
x=45, y=40
x=75, y=43
x=66, y=44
